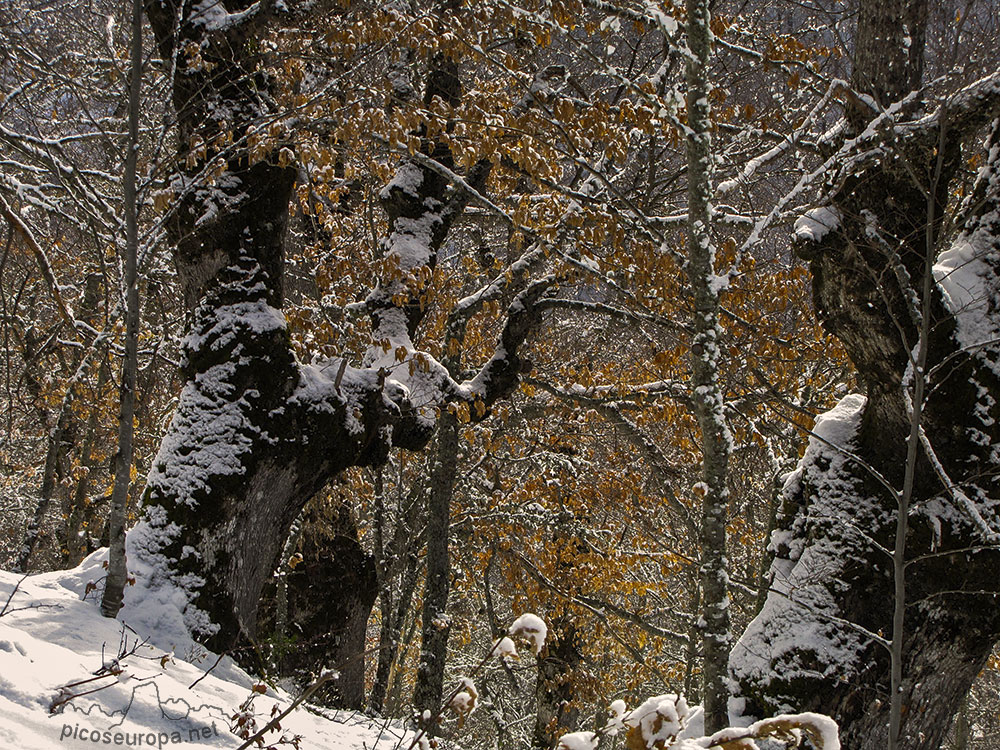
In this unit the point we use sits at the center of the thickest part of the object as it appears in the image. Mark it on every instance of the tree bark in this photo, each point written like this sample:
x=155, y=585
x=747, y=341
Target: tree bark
x=435, y=625
x=706, y=391
x=822, y=641
x=114, y=585
x=555, y=712
x=255, y=435
x=330, y=597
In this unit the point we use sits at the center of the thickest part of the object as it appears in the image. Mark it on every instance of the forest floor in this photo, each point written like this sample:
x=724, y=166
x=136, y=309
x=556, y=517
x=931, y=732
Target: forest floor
x=70, y=678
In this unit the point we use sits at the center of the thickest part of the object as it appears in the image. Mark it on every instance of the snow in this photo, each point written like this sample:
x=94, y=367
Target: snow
x=666, y=721
x=664, y=718
x=319, y=390
x=415, y=375
x=154, y=686
x=408, y=178
x=968, y=276
x=409, y=251
x=410, y=242
x=220, y=197
x=822, y=730
x=839, y=425
x=51, y=637
x=667, y=24
x=578, y=741
x=616, y=717
x=213, y=16
x=208, y=436
x=228, y=321
x=797, y=633
x=966, y=273
x=465, y=700
x=531, y=627
x=505, y=649
x=816, y=223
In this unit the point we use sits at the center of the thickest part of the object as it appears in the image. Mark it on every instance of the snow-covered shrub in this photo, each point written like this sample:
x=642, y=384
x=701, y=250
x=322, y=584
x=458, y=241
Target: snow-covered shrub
x=532, y=628
x=666, y=722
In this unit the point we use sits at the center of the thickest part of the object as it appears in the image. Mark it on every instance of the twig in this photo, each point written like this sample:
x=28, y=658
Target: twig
x=66, y=695
x=448, y=701
x=16, y=587
x=33, y=606
x=209, y=670
x=274, y=722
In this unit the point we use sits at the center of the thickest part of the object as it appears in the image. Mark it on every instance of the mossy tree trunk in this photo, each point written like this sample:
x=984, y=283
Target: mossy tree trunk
x=256, y=434
x=822, y=641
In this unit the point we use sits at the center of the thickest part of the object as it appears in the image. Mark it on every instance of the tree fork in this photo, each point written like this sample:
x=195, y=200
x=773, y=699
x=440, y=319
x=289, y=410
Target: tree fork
x=255, y=435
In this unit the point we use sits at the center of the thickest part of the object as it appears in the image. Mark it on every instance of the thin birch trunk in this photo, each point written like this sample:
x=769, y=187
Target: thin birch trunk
x=281, y=593
x=114, y=588
x=715, y=441
x=905, y=498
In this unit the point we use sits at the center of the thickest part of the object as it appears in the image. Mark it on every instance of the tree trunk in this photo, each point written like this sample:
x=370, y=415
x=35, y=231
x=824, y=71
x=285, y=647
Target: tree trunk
x=443, y=82
x=822, y=640
x=114, y=586
x=435, y=626
x=555, y=691
x=82, y=530
x=963, y=730
x=390, y=638
x=330, y=597
x=255, y=435
x=397, y=565
x=57, y=445
x=706, y=391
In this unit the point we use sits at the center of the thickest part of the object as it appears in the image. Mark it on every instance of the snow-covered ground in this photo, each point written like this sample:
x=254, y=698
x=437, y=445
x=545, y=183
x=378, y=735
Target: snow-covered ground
x=54, y=644
x=70, y=678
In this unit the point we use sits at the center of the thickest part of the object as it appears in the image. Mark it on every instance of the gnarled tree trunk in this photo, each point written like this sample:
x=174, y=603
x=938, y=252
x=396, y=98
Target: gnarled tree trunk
x=822, y=640
x=256, y=434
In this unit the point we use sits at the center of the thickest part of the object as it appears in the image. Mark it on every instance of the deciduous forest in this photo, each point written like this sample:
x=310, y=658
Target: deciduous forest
x=558, y=373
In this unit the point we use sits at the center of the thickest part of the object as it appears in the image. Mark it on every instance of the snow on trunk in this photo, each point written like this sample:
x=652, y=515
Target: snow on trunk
x=705, y=354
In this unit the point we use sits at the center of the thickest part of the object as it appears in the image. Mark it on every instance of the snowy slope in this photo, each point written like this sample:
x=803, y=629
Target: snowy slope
x=70, y=678
x=51, y=637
